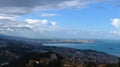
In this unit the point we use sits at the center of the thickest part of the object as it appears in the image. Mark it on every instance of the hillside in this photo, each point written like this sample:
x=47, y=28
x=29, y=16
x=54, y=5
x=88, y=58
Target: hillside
x=47, y=59
x=13, y=50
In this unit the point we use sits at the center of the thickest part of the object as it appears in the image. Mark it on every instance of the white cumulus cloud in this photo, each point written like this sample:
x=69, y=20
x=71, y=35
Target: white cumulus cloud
x=33, y=21
x=7, y=24
x=53, y=23
x=116, y=22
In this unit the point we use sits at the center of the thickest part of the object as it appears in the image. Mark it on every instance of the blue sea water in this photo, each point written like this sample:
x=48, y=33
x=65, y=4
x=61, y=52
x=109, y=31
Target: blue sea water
x=108, y=46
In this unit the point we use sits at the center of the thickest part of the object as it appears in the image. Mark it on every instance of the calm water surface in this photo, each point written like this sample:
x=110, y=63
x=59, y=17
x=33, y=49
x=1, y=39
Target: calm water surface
x=110, y=47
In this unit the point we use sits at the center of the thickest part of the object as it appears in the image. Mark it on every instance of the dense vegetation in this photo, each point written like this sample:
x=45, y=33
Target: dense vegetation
x=36, y=60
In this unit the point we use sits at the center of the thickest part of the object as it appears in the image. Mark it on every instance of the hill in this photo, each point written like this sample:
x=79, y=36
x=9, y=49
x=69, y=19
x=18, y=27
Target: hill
x=20, y=50
x=46, y=59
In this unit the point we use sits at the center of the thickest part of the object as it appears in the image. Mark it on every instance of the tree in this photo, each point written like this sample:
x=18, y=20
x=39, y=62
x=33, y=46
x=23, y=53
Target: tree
x=90, y=64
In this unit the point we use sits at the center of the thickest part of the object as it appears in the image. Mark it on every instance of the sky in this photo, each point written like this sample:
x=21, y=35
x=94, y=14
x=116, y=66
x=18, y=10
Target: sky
x=78, y=19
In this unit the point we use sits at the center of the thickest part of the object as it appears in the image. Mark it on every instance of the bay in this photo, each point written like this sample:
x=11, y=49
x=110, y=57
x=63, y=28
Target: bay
x=108, y=46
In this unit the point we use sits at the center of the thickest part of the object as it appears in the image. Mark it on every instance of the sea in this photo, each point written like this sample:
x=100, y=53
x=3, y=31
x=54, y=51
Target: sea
x=111, y=47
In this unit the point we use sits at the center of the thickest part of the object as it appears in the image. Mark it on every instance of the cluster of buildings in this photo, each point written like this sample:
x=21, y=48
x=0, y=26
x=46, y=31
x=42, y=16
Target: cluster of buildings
x=83, y=56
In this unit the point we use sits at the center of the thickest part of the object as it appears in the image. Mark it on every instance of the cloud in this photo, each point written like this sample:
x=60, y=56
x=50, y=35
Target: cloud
x=116, y=22
x=4, y=17
x=53, y=23
x=33, y=21
x=10, y=10
x=115, y=32
x=72, y=3
x=49, y=15
x=8, y=24
x=15, y=8
x=31, y=28
x=21, y=7
x=12, y=25
x=40, y=23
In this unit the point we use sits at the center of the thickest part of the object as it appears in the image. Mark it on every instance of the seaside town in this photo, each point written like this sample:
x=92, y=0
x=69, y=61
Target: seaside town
x=12, y=50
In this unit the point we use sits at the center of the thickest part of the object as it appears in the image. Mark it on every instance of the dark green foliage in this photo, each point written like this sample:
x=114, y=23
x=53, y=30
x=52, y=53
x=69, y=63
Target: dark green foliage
x=112, y=65
x=22, y=61
x=90, y=64
x=55, y=63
